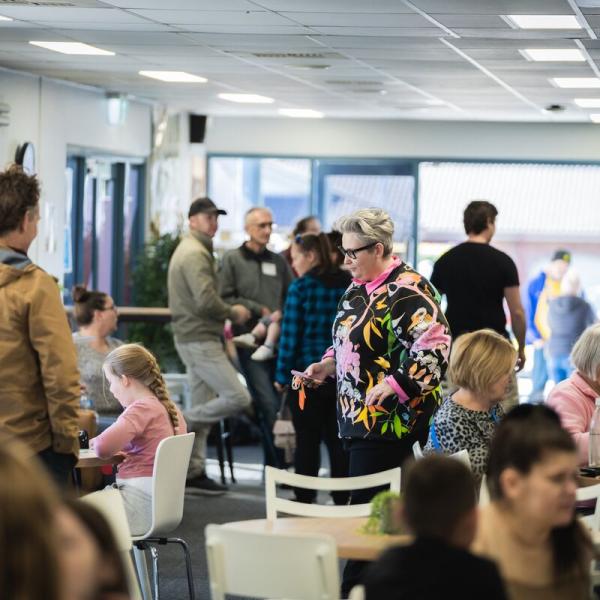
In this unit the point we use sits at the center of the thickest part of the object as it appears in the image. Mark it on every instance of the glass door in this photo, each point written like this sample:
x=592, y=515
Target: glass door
x=343, y=187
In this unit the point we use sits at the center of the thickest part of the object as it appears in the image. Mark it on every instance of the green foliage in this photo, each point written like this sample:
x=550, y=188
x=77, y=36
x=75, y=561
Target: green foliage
x=384, y=516
x=150, y=289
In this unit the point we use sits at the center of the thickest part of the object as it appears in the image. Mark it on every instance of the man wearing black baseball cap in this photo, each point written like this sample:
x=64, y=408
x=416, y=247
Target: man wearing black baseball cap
x=542, y=288
x=198, y=317
x=206, y=206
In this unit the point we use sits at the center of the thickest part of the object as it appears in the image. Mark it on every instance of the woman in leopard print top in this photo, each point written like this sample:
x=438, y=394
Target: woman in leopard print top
x=481, y=364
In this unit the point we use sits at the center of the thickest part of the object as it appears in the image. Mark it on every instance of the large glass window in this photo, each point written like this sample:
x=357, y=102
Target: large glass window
x=238, y=183
x=105, y=225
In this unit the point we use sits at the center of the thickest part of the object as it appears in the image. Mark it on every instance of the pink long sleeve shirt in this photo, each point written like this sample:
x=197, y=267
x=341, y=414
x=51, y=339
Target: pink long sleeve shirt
x=574, y=401
x=137, y=432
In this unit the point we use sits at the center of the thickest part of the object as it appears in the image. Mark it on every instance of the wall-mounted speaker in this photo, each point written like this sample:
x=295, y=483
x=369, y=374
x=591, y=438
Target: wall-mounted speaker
x=197, y=128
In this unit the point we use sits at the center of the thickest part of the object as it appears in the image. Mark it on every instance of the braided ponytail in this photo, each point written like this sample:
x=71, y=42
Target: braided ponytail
x=159, y=389
x=135, y=361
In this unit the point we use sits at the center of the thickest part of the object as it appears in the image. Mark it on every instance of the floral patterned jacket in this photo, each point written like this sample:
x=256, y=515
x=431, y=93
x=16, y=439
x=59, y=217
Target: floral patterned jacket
x=390, y=329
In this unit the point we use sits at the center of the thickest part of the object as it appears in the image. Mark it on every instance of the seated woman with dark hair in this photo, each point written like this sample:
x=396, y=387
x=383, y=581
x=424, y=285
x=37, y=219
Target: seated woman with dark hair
x=529, y=529
x=481, y=365
x=96, y=316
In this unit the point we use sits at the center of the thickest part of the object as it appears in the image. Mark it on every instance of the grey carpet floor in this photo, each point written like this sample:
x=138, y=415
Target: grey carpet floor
x=245, y=500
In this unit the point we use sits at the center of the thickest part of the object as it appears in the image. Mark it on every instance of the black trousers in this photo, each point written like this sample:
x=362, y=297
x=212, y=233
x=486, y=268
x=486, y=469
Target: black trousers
x=59, y=466
x=366, y=457
x=315, y=423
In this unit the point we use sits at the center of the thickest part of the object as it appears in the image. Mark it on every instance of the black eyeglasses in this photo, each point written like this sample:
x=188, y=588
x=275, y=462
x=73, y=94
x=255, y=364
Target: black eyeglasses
x=351, y=252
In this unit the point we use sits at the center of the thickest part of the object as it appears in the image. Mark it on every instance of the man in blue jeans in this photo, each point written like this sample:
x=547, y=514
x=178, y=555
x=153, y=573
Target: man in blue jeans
x=541, y=289
x=258, y=279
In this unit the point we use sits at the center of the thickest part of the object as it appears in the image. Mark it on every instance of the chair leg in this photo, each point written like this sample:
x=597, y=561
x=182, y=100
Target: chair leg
x=139, y=555
x=188, y=564
x=154, y=554
x=219, y=441
x=229, y=449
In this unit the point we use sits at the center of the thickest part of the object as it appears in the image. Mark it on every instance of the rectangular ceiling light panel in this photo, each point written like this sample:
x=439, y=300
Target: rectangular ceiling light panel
x=553, y=55
x=544, y=21
x=576, y=82
x=588, y=102
x=173, y=76
x=72, y=48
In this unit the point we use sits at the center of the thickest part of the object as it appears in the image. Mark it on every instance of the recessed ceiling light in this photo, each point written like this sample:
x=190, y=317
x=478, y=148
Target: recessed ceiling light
x=246, y=98
x=544, y=21
x=5, y=18
x=557, y=54
x=588, y=102
x=73, y=48
x=576, y=82
x=595, y=117
x=301, y=113
x=173, y=76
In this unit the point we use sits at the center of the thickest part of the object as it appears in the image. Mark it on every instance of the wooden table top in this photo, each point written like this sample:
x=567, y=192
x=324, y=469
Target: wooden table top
x=351, y=542
x=88, y=458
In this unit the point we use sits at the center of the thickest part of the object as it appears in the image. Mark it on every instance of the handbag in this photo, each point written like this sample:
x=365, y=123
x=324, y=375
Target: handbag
x=284, y=434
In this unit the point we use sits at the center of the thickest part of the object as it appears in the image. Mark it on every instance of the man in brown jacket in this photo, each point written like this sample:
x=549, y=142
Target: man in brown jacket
x=39, y=380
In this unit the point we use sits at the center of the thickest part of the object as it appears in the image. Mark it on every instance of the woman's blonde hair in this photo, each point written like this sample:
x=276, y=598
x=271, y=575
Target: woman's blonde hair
x=133, y=360
x=28, y=504
x=479, y=359
x=585, y=355
x=371, y=225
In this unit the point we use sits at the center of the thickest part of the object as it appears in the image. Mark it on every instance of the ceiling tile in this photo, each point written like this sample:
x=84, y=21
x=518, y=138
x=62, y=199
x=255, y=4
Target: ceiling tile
x=200, y=17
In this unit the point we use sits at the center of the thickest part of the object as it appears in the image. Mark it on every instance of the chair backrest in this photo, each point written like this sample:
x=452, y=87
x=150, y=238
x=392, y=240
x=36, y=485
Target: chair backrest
x=462, y=455
x=266, y=565
x=110, y=504
x=168, y=483
x=274, y=476
x=417, y=452
x=591, y=492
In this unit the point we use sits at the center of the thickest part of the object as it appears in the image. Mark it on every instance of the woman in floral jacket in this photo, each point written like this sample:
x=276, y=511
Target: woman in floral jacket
x=390, y=351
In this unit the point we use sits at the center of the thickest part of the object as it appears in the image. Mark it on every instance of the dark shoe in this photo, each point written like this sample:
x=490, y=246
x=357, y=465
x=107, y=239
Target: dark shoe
x=206, y=486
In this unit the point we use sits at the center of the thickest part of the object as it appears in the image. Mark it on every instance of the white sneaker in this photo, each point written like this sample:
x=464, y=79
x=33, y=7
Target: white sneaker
x=263, y=353
x=246, y=340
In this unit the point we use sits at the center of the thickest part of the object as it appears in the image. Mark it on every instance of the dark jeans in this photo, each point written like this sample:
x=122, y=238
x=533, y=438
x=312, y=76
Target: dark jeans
x=316, y=423
x=59, y=466
x=366, y=457
x=265, y=399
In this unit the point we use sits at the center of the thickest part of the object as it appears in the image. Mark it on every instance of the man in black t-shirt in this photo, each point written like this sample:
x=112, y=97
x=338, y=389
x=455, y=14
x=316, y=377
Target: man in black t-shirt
x=476, y=278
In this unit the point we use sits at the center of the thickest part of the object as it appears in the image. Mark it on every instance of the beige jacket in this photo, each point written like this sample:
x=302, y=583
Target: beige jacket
x=198, y=313
x=39, y=380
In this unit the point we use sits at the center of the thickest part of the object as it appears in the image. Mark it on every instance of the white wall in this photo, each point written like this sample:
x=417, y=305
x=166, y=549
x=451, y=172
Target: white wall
x=55, y=116
x=411, y=139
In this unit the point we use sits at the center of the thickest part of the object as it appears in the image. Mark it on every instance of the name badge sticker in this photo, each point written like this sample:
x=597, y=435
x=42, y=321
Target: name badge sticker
x=269, y=269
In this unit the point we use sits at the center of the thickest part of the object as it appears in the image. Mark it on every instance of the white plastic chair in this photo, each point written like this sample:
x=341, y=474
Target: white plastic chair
x=357, y=593
x=266, y=565
x=168, y=491
x=110, y=504
x=274, y=476
x=417, y=451
x=462, y=455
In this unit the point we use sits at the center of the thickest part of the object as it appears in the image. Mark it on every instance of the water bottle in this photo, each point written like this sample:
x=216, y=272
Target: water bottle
x=85, y=402
x=594, y=445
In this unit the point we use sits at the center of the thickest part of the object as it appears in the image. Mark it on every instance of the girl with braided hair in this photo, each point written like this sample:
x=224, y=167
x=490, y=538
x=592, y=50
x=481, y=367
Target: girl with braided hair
x=149, y=417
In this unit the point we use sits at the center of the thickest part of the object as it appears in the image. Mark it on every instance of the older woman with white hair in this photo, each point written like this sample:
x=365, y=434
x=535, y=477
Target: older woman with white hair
x=390, y=351
x=574, y=398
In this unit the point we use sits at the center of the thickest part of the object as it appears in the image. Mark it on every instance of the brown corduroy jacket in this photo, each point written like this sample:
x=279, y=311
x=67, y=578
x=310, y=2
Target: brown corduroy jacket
x=39, y=380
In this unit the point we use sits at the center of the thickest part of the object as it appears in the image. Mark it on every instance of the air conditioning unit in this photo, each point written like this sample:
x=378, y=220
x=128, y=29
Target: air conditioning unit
x=4, y=114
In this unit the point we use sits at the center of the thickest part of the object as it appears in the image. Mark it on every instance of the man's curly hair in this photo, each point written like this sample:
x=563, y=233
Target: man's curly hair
x=19, y=193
